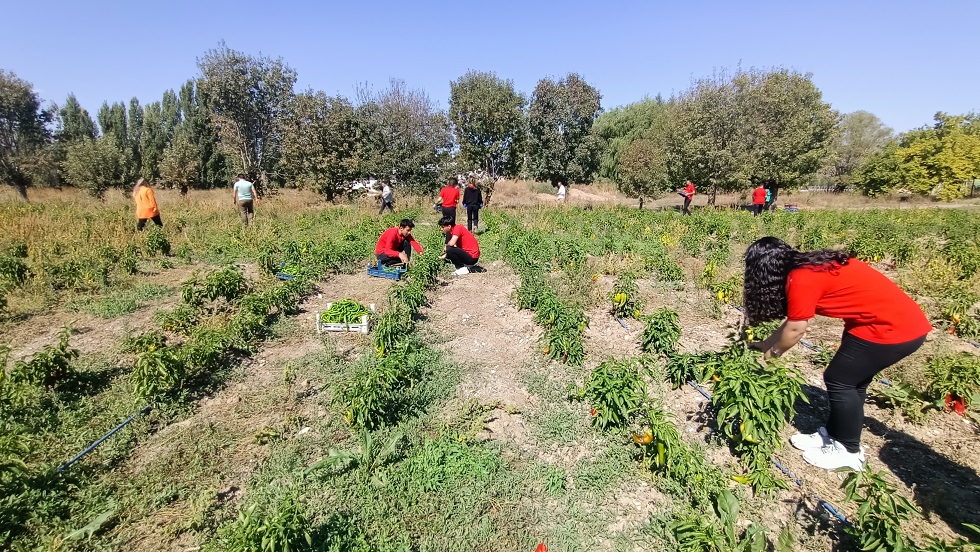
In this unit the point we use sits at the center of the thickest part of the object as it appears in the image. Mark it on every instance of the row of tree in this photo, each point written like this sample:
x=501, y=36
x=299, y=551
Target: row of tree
x=242, y=114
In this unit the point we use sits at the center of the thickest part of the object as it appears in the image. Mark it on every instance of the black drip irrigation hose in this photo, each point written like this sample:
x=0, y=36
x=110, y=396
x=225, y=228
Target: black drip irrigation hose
x=820, y=502
x=92, y=447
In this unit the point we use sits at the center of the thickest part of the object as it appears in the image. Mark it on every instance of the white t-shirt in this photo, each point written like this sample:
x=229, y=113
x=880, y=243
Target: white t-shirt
x=561, y=192
x=386, y=194
x=243, y=190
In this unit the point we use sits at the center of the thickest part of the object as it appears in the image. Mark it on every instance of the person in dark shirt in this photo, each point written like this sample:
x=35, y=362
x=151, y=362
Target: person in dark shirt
x=462, y=248
x=472, y=202
x=396, y=243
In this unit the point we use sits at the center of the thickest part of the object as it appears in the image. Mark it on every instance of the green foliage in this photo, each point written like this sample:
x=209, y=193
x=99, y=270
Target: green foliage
x=487, y=116
x=753, y=403
x=247, y=95
x=180, y=161
x=23, y=134
x=48, y=367
x=156, y=370
x=76, y=124
x=280, y=528
x=877, y=526
x=956, y=375
x=615, y=390
x=625, y=297
x=228, y=283
x=699, y=533
x=156, y=242
x=322, y=143
x=97, y=164
x=367, y=460
x=561, y=145
x=696, y=367
x=661, y=333
x=643, y=169
x=861, y=135
x=902, y=396
x=13, y=270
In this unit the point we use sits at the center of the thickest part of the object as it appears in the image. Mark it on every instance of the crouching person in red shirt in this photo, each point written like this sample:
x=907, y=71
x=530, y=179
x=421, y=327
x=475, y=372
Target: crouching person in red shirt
x=395, y=244
x=462, y=248
x=882, y=325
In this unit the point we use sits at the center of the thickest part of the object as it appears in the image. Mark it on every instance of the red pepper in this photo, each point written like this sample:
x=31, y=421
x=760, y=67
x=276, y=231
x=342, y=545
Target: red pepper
x=592, y=411
x=541, y=548
x=955, y=403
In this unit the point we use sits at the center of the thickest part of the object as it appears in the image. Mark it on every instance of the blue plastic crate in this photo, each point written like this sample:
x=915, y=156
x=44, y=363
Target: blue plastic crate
x=390, y=272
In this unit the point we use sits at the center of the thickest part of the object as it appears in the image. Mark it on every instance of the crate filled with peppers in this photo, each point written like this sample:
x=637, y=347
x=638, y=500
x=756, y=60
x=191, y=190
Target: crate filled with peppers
x=345, y=315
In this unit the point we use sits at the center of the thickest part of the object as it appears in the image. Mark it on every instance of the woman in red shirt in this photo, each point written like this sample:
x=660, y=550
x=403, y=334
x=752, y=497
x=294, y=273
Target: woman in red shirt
x=882, y=325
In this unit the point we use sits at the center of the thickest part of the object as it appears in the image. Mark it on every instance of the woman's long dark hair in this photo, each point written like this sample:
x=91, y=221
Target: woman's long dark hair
x=768, y=263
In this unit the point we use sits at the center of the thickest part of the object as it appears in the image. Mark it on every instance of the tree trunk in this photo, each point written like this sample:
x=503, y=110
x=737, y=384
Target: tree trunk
x=641, y=202
x=714, y=194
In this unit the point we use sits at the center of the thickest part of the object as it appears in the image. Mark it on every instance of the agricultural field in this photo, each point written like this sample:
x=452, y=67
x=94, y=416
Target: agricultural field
x=590, y=390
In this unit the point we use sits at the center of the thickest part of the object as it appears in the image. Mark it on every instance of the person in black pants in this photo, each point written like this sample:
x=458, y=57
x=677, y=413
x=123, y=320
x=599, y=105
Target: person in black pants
x=882, y=325
x=472, y=202
x=396, y=244
x=462, y=248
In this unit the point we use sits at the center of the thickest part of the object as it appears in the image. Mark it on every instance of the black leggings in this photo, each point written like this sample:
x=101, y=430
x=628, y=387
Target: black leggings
x=472, y=217
x=850, y=372
x=450, y=212
x=458, y=257
x=141, y=223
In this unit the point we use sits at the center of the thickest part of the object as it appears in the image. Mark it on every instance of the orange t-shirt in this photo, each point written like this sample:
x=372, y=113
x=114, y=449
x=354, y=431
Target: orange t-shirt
x=146, y=204
x=872, y=307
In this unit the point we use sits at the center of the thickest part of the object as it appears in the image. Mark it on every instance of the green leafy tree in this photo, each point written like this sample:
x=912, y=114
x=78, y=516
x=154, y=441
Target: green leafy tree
x=24, y=134
x=561, y=145
x=75, y=122
x=180, y=162
x=621, y=126
x=248, y=99
x=407, y=137
x=643, y=169
x=113, y=122
x=96, y=165
x=486, y=112
x=153, y=140
x=787, y=126
x=706, y=138
x=860, y=136
x=942, y=158
x=881, y=173
x=135, y=136
x=196, y=122
x=322, y=144
x=170, y=114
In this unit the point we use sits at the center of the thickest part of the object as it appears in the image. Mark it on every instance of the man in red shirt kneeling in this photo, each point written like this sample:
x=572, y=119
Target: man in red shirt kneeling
x=462, y=248
x=396, y=243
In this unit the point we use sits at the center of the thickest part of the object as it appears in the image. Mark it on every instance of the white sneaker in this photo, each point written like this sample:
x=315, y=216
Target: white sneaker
x=807, y=441
x=461, y=271
x=834, y=456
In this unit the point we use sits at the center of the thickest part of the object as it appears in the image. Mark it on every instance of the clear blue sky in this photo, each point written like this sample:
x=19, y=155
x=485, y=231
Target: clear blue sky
x=901, y=60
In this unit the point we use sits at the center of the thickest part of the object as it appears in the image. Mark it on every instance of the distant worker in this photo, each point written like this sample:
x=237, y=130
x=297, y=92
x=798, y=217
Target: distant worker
x=561, y=193
x=472, y=202
x=450, y=198
x=758, y=200
x=769, y=205
x=146, y=205
x=882, y=325
x=387, y=198
x=396, y=243
x=687, y=192
x=462, y=248
x=245, y=197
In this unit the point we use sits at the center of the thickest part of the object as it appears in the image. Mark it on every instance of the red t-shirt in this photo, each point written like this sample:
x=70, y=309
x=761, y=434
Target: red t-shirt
x=390, y=243
x=466, y=240
x=689, y=190
x=759, y=196
x=450, y=196
x=872, y=307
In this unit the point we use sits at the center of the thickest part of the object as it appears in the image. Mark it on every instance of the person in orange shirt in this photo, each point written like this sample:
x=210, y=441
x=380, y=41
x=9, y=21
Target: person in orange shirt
x=882, y=325
x=146, y=205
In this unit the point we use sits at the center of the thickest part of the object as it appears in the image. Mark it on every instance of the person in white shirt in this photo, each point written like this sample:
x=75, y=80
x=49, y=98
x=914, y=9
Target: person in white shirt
x=245, y=196
x=561, y=192
x=387, y=198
